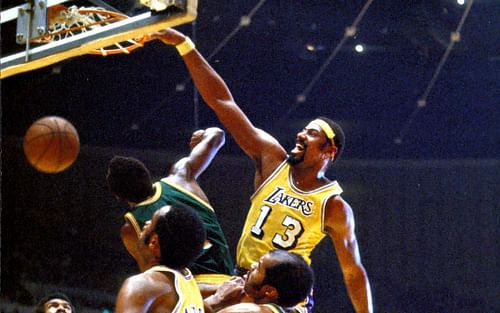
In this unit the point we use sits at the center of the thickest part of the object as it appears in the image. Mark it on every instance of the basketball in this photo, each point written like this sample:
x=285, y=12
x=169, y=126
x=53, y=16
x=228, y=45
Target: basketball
x=51, y=144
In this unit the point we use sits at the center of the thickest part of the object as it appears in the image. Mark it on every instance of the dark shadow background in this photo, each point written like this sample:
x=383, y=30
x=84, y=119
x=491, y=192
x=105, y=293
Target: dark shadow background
x=426, y=208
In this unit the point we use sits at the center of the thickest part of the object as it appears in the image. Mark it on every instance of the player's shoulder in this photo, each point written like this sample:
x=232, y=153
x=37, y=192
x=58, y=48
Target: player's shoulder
x=150, y=282
x=337, y=203
x=134, y=283
x=142, y=290
x=338, y=213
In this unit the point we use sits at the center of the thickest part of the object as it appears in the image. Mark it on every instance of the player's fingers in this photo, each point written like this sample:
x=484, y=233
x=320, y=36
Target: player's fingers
x=238, y=280
x=196, y=138
x=148, y=37
x=155, y=35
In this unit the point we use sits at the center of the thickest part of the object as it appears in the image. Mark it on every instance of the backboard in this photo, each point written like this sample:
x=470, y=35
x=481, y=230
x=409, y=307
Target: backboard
x=39, y=33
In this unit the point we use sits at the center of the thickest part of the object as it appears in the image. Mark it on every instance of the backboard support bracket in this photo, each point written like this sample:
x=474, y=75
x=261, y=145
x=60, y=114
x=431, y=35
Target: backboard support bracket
x=31, y=21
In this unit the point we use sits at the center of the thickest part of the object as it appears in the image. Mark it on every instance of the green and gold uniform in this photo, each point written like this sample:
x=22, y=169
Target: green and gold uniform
x=215, y=264
x=283, y=217
x=275, y=308
x=190, y=300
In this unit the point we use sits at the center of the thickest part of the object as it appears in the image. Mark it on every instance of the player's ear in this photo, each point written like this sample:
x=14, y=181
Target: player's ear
x=329, y=152
x=154, y=243
x=333, y=152
x=270, y=292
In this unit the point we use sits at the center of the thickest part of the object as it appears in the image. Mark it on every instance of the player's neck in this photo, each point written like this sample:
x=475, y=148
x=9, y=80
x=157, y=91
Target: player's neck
x=260, y=300
x=247, y=298
x=308, y=178
x=151, y=263
x=134, y=204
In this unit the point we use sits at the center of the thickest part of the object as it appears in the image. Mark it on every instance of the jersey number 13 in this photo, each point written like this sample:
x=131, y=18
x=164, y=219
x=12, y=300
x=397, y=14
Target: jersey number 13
x=285, y=240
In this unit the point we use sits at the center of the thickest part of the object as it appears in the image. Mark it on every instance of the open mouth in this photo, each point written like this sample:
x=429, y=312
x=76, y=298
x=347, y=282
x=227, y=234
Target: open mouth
x=299, y=147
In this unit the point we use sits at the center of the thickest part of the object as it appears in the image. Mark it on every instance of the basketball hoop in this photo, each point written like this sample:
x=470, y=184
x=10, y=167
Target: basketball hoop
x=65, y=22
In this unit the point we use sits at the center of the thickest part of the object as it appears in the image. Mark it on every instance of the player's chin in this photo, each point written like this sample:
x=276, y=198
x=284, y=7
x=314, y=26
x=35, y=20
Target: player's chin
x=295, y=158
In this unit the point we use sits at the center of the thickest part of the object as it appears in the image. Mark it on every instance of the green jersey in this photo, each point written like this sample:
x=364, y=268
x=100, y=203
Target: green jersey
x=215, y=258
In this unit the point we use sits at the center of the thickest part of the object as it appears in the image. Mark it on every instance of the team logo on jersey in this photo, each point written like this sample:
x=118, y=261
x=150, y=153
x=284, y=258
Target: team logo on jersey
x=278, y=196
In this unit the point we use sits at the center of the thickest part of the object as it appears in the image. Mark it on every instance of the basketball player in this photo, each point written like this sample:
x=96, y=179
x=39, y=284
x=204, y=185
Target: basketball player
x=56, y=302
x=169, y=244
x=129, y=180
x=279, y=280
x=294, y=204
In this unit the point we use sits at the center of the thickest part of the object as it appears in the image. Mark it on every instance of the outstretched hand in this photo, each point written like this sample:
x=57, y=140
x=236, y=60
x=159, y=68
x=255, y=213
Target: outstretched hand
x=168, y=36
x=229, y=293
x=231, y=289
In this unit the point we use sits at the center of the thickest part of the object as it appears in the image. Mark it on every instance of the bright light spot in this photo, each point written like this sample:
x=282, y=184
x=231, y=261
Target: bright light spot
x=350, y=31
x=310, y=47
x=455, y=36
x=461, y=2
x=301, y=98
x=245, y=20
x=359, y=48
x=180, y=87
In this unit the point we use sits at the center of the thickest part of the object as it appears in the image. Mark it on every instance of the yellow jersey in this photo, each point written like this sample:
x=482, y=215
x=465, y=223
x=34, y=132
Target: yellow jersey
x=283, y=217
x=190, y=300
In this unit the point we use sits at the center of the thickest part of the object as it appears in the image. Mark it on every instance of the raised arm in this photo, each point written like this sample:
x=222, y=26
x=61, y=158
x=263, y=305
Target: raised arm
x=256, y=143
x=339, y=221
x=204, y=146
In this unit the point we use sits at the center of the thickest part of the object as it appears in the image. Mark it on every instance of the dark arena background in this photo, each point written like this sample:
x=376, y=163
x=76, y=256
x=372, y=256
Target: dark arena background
x=421, y=167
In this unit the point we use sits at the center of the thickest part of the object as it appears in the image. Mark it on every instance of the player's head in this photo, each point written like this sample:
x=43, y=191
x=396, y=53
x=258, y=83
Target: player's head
x=321, y=138
x=279, y=277
x=129, y=179
x=56, y=302
x=175, y=235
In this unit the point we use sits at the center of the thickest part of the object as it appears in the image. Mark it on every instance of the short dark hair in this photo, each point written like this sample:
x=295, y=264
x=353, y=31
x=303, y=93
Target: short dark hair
x=40, y=306
x=129, y=179
x=292, y=277
x=339, y=138
x=181, y=235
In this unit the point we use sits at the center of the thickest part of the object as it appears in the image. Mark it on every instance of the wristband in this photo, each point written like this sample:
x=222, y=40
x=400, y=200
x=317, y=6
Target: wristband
x=185, y=47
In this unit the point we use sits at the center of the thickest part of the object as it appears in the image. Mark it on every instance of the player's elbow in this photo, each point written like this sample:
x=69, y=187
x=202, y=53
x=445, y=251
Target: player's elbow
x=217, y=135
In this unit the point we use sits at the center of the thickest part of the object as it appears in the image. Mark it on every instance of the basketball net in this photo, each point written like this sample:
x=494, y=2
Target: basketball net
x=65, y=22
